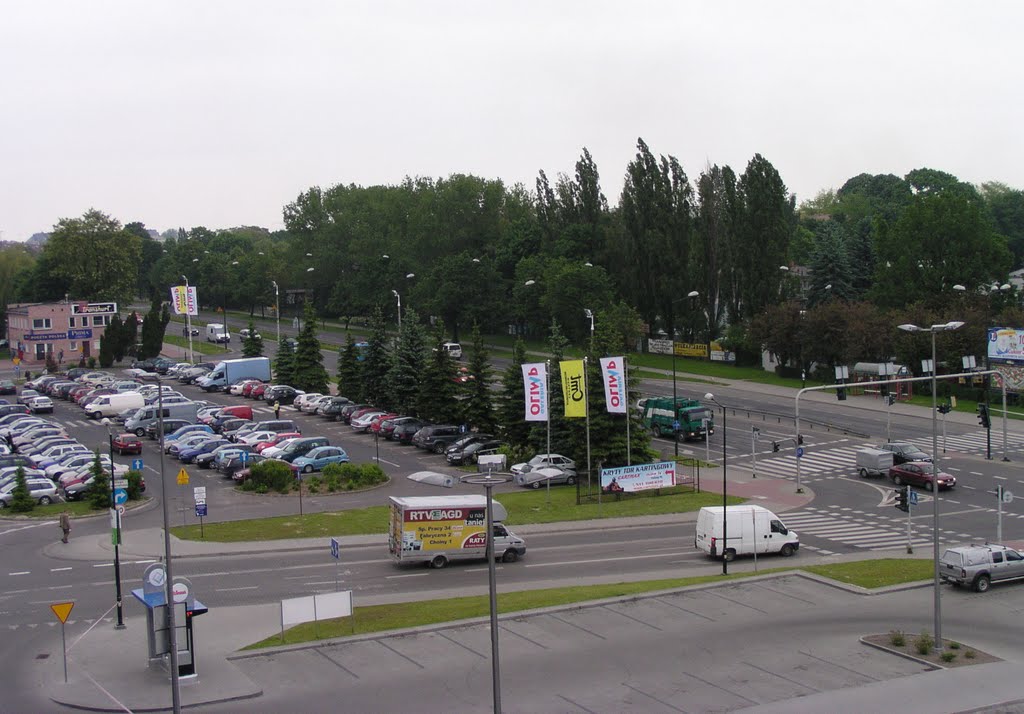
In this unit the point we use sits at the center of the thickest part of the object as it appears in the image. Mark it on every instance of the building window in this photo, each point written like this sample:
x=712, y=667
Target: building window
x=73, y=346
x=41, y=323
x=97, y=320
x=96, y=345
x=71, y=322
x=40, y=351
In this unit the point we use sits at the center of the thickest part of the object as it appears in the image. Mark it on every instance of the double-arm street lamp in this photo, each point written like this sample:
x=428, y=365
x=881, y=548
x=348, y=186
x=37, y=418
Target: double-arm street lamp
x=725, y=520
x=944, y=327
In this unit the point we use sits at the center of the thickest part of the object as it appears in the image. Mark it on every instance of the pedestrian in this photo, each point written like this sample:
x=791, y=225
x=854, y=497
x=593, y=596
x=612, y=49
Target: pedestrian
x=277, y=409
x=65, y=525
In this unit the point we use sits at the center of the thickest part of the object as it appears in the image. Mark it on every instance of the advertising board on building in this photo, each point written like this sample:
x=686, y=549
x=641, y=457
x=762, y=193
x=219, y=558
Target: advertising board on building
x=94, y=308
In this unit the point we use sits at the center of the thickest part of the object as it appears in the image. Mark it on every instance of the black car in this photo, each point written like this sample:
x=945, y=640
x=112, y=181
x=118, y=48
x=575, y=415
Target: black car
x=467, y=452
x=7, y=387
x=332, y=409
x=904, y=452
x=437, y=438
x=235, y=464
x=348, y=410
x=281, y=393
x=229, y=424
x=404, y=431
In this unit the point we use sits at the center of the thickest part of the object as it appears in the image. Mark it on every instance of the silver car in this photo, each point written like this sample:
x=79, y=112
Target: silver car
x=42, y=490
x=980, y=565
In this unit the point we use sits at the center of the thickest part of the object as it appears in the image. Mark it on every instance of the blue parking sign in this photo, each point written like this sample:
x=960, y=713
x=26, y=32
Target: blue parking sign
x=243, y=456
x=200, y=510
x=335, y=548
x=136, y=464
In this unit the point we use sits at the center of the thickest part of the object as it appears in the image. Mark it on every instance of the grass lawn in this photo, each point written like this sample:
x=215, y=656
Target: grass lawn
x=53, y=510
x=379, y=618
x=527, y=506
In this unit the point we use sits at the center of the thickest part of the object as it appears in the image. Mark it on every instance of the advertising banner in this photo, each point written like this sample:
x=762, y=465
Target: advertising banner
x=444, y=528
x=574, y=389
x=1006, y=345
x=535, y=388
x=183, y=300
x=659, y=347
x=686, y=349
x=613, y=378
x=642, y=477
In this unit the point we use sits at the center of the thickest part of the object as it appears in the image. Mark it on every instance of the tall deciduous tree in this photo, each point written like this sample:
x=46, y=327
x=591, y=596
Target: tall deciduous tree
x=715, y=248
x=96, y=257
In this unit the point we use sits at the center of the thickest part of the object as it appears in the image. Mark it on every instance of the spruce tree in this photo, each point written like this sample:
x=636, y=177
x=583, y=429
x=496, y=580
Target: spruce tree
x=308, y=371
x=407, y=366
x=114, y=334
x=284, y=363
x=106, y=357
x=376, y=362
x=129, y=335
x=349, y=382
x=478, y=407
x=512, y=402
x=436, y=400
x=21, y=499
x=252, y=346
x=98, y=493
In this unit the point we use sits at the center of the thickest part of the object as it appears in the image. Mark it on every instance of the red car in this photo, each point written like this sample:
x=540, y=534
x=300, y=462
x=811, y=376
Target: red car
x=376, y=423
x=257, y=391
x=249, y=386
x=920, y=473
x=278, y=438
x=127, y=444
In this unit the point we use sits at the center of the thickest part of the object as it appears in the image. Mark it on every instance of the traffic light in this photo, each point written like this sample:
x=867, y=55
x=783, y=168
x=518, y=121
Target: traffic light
x=800, y=440
x=841, y=393
x=983, y=417
x=943, y=409
x=891, y=399
x=902, y=500
x=775, y=446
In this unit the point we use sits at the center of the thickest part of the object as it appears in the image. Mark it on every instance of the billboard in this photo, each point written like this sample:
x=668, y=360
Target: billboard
x=1006, y=345
x=642, y=477
x=444, y=528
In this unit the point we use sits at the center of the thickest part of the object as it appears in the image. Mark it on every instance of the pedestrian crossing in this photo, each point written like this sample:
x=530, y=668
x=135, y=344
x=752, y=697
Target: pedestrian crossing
x=860, y=530
x=838, y=458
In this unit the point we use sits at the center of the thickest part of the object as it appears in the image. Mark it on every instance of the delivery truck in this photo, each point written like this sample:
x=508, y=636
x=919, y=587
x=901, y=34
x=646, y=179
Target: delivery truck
x=216, y=332
x=874, y=462
x=688, y=420
x=439, y=529
x=231, y=371
x=749, y=528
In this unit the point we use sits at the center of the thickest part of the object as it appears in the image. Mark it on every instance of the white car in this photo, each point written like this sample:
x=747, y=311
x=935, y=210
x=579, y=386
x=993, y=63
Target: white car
x=541, y=460
x=273, y=452
x=78, y=460
x=363, y=422
x=310, y=406
x=301, y=400
x=40, y=405
x=256, y=437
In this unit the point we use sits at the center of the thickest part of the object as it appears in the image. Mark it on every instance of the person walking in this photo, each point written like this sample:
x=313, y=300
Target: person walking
x=65, y=525
x=277, y=409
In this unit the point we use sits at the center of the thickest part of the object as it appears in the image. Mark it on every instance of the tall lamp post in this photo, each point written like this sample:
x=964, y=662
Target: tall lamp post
x=944, y=327
x=675, y=431
x=117, y=530
x=169, y=579
x=277, y=309
x=399, y=298
x=725, y=521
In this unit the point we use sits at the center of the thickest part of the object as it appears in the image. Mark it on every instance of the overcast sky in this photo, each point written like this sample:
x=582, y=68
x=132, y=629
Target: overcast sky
x=219, y=113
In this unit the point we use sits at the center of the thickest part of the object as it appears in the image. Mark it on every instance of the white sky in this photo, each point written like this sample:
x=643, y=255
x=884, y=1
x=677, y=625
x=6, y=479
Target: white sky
x=219, y=113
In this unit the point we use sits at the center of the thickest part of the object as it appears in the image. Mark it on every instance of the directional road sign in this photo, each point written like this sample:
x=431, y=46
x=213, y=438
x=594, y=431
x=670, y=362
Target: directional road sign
x=120, y=496
x=200, y=510
x=243, y=457
x=799, y=452
x=136, y=464
x=912, y=498
x=335, y=548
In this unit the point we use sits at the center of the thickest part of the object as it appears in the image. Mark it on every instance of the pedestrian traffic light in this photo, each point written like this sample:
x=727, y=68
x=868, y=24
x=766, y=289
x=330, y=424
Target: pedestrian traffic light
x=983, y=417
x=800, y=440
x=902, y=499
x=775, y=446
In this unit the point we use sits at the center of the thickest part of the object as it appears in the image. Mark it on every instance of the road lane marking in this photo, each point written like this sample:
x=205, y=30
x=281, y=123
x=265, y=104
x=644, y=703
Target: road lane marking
x=21, y=572
x=1001, y=478
x=408, y=575
x=58, y=570
x=606, y=560
x=103, y=565
x=228, y=590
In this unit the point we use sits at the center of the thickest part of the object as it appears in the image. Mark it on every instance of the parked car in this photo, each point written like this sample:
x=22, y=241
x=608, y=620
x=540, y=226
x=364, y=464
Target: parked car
x=187, y=430
x=348, y=410
x=127, y=443
x=169, y=427
x=405, y=429
x=361, y=424
x=209, y=459
x=437, y=437
x=245, y=333
x=275, y=440
x=235, y=463
x=316, y=459
x=980, y=565
x=281, y=393
x=904, y=451
x=41, y=405
x=467, y=453
x=545, y=474
x=7, y=387
x=27, y=395
x=42, y=490
x=542, y=460
x=921, y=473
x=187, y=456
x=258, y=390
x=301, y=447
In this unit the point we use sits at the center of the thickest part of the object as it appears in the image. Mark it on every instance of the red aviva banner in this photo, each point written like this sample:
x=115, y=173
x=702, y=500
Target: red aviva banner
x=615, y=389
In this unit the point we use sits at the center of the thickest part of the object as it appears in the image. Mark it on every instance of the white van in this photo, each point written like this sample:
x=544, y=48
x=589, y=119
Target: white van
x=454, y=349
x=749, y=527
x=216, y=332
x=141, y=419
x=113, y=404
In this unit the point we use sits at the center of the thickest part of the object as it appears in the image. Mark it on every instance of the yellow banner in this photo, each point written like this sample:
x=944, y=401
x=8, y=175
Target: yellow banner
x=574, y=389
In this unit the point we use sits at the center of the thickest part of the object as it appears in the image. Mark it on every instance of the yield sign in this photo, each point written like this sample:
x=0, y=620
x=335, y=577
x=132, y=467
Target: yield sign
x=62, y=610
x=183, y=477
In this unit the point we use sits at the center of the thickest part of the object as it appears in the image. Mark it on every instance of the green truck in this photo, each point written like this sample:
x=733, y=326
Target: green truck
x=689, y=420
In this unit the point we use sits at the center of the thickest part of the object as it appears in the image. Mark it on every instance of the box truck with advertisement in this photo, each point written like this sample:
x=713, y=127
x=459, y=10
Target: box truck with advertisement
x=231, y=371
x=749, y=529
x=439, y=529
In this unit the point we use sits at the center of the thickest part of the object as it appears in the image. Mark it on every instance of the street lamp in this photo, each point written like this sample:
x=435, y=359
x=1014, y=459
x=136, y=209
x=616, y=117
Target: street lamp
x=590, y=315
x=117, y=529
x=675, y=412
x=188, y=321
x=725, y=520
x=399, y=298
x=168, y=579
x=944, y=327
x=277, y=309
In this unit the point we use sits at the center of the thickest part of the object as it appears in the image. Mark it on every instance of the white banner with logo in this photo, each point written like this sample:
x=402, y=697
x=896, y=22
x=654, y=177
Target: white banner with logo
x=641, y=477
x=183, y=298
x=613, y=377
x=535, y=387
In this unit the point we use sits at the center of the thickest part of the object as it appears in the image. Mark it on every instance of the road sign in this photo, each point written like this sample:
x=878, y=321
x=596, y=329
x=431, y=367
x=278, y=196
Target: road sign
x=120, y=483
x=756, y=432
x=799, y=452
x=179, y=591
x=136, y=464
x=913, y=498
x=335, y=548
x=183, y=477
x=675, y=425
x=199, y=494
x=120, y=496
x=120, y=510
x=17, y=361
x=200, y=509
x=243, y=457
x=1007, y=496
x=62, y=610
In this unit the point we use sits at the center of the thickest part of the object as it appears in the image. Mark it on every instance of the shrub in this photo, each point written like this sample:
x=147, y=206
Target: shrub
x=969, y=654
x=134, y=485
x=954, y=645
x=897, y=638
x=948, y=656
x=370, y=474
x=313, y=484
x=262, y=488
x=21, y=499
x=332, y=480
x=92, y=363
x=275, y=475
x=248, y=485
x=924, y=643
x=98, y=493
x=351, y=476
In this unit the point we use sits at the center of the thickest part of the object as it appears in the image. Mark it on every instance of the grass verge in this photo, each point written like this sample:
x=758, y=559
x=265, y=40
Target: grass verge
x=379, y=618
x=198, y=345
x=523, y=507
x=53, y=510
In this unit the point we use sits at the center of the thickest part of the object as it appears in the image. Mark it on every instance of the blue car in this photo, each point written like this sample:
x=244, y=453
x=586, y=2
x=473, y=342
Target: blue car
x=319, y=457
x=187, y=456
